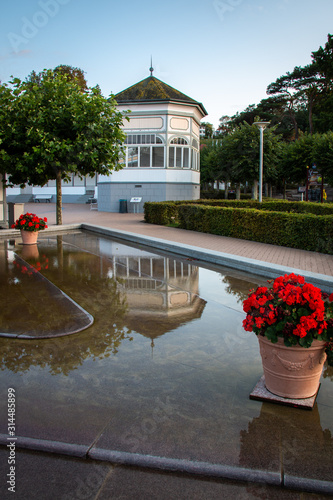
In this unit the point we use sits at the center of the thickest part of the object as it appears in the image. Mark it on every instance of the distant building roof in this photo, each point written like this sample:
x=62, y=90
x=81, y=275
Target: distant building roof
x=153, y=89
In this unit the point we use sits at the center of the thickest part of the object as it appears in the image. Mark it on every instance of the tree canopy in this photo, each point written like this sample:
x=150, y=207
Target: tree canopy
x=235, y=159
x=51, y=128
x=299, y=101
x=299, y=108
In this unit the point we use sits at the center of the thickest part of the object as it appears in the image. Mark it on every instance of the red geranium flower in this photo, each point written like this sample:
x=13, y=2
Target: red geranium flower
x=292, y=309
x=30, y=222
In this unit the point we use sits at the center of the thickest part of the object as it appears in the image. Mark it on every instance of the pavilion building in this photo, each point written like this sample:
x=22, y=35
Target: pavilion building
x=161, y=154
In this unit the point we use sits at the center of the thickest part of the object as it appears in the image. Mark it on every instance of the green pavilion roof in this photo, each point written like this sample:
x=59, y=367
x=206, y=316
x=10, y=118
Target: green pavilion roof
x=153, y=89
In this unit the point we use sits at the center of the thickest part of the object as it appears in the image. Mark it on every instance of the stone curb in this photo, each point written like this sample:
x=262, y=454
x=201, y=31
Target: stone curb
x=14, y=233
x=200, y=469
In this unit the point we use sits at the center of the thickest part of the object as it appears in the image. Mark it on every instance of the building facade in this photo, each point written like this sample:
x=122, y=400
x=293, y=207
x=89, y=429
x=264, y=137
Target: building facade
x=161, y=153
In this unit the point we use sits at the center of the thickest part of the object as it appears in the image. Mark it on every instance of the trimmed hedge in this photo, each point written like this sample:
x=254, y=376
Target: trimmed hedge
x=304, y=231
x=167, y=211
x=241, y=219
x=162, y=213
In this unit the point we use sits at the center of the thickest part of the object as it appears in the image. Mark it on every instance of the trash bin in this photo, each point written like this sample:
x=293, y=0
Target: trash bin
x=14, y=212
x=122, y=206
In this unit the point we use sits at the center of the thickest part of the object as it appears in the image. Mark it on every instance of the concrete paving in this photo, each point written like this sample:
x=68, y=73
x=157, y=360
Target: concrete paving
x=53, y=472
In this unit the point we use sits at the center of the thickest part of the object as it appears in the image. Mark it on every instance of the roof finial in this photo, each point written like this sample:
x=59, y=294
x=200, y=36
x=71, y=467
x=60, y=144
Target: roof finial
x=151, y=69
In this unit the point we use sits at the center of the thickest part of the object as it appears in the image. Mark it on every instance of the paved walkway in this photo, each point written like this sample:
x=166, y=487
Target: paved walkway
x=313, y=262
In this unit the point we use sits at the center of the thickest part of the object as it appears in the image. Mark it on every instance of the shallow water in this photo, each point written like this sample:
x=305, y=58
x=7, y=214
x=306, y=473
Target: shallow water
x=165, y=369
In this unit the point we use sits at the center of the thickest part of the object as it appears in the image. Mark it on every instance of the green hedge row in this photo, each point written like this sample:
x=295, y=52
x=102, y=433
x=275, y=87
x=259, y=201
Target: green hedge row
x=294, y=230
x=162, y=212
x=271, y=205
x=241, y=219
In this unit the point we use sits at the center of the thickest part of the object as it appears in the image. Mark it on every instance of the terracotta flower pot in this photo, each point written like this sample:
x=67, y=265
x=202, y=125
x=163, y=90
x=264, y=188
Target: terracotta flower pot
x=292, y=372
x=29, y=237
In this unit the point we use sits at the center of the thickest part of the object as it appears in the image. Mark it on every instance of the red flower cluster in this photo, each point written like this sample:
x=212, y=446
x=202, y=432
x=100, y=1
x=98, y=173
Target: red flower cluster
x=30, y=222
x=290, y=308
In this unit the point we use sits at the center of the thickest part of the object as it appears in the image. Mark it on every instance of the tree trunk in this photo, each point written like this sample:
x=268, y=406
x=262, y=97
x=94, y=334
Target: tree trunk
x=59, y=199
x=310, y=116
x=226, y=189
x=238, y=191
x=255, y=190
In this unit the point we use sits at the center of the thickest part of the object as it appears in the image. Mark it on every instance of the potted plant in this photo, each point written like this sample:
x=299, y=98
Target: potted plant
x=29, y=225
x=293, y=321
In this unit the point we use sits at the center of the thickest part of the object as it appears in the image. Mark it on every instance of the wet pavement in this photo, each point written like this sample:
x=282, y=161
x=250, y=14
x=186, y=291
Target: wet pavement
x=91, y=468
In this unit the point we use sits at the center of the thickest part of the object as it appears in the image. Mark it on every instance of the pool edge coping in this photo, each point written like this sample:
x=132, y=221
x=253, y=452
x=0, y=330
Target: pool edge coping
x=172, y=465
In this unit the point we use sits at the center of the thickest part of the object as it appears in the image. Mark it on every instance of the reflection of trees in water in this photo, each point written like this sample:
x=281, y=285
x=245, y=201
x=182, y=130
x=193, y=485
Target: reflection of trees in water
x=237, y=287
x=89, y=285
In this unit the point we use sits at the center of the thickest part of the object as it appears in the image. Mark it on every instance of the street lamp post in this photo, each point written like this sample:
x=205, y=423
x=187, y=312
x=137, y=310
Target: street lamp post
x=261, y=126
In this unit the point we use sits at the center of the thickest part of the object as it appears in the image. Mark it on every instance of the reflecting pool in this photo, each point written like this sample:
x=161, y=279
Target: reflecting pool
x=164, y=369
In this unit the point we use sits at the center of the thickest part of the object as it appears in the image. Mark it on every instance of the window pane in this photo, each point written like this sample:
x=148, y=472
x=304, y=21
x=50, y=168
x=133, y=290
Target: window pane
x=132, y=157
x=178, y=157
x=171, y=157
x=158, y=157
x=194, y=160
x=144, y=157
x=179, y=140
x=185, y=158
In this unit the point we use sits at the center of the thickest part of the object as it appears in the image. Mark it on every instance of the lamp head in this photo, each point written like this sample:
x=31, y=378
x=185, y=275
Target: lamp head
x=261, y=125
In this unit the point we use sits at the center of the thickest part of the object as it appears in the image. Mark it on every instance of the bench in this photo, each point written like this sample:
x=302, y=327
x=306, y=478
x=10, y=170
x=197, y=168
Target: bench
x=42, y=197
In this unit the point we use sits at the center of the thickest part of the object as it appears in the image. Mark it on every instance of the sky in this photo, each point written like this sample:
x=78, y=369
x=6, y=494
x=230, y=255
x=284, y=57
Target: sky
x=222, y=53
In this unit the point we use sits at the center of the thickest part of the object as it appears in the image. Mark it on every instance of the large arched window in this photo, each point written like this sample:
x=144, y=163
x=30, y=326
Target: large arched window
x=179, y=153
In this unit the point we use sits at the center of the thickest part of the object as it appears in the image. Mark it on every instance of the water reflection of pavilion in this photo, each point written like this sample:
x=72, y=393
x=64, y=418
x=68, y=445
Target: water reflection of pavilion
x=161, y=292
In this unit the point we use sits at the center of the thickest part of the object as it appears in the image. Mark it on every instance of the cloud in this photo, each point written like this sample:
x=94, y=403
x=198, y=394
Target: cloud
x=20, y=53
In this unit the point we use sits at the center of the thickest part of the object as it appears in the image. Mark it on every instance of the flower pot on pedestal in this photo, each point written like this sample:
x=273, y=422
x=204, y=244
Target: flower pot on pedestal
x=294, y=324
x=292, y=372
x=29, y=237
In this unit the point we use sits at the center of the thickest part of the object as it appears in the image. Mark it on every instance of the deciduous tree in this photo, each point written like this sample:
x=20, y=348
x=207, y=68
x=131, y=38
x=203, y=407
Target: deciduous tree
x=52, y=128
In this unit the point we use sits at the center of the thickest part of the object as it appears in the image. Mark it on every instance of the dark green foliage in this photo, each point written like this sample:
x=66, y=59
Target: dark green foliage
x=162, y=213
x=308, y=226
